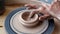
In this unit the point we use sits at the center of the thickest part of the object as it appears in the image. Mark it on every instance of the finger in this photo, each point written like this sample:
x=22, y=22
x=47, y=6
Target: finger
x=46, y=5
x=31, y=6
x=34, y=12
x=27, y=4
x=41, y=18
x=46, y=16
x=41, y=9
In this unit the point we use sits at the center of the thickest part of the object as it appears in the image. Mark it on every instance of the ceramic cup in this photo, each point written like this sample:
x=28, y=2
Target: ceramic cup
x=28, y=23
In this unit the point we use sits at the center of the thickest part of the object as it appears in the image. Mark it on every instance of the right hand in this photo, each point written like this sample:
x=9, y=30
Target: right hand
x=43, y=11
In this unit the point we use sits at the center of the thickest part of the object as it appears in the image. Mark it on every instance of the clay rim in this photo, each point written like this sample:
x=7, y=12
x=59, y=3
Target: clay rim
x=32, y=21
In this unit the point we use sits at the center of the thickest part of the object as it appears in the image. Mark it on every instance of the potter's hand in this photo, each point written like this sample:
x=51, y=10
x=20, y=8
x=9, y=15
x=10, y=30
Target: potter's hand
x=55, y=9
x=31, y=6
x=42, y=10
x=45, y=15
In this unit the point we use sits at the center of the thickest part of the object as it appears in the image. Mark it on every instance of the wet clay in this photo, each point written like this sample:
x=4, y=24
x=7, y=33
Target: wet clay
x=26, y=17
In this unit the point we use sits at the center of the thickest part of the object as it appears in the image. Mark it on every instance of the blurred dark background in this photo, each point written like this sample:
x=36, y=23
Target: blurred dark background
x=2, y=8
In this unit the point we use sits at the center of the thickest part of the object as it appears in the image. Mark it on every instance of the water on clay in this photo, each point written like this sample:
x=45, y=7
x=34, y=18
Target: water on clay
x=26, y=17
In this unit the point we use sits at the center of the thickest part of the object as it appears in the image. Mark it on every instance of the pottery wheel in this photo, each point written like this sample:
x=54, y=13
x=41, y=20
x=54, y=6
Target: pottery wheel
x=19, y=28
